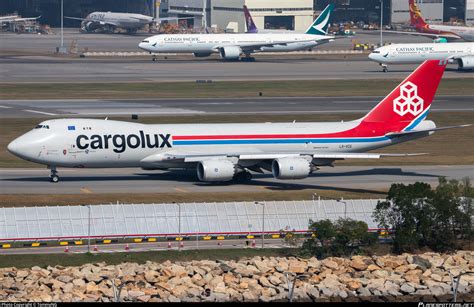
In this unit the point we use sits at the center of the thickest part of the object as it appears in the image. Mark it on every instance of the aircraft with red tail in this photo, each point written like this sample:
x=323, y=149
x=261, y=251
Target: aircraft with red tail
x=225, y=152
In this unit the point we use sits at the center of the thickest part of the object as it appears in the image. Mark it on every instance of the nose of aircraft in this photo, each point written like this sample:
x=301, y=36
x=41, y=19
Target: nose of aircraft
x=15, y=147
x=144, y=45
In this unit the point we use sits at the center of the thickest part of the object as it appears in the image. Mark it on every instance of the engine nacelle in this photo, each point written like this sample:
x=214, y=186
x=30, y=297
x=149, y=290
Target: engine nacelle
x=216, y=170
x=291, y=168
x=201, y=55
x=230, y=52
x=466, y=62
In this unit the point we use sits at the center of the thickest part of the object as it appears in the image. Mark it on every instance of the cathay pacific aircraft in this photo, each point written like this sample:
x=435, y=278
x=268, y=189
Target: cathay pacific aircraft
x=232, y=46
x=461, y=54
x=224, y=152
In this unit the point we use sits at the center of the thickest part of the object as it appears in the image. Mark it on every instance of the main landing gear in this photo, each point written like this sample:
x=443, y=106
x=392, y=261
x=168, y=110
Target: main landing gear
x=54, y=178
x=243, y=177
x=247, y=58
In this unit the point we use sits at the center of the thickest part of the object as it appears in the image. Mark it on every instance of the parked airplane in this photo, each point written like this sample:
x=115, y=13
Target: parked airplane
x=109, y=21
x=223, y=152
x=436, y=31
x=232, y=46
x=460, y=53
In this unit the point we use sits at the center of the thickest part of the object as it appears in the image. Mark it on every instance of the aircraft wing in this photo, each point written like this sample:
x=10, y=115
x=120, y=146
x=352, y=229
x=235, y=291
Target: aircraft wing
x=197, y=157
x=75, y=18
x=26, y=19
x=449, y=37
x=172, y=18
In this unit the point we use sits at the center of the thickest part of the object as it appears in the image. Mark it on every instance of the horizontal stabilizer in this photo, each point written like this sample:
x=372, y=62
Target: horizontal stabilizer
x=412, y=132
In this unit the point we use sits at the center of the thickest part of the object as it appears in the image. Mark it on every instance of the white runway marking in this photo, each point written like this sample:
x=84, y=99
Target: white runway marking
x=39, y=112
x=5, y=107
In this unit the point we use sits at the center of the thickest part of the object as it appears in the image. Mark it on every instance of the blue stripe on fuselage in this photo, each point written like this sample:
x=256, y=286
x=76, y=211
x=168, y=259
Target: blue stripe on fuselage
x=283, y=141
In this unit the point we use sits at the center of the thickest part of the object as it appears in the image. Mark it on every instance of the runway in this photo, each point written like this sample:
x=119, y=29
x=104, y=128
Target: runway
x=163, y=107
x=44, y=44
x=339, y=178
x=45, y=69
x=29, y=58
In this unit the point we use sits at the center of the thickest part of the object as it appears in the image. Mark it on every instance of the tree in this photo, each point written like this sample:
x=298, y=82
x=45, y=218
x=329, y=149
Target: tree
x=420, y=216
x=344, y=237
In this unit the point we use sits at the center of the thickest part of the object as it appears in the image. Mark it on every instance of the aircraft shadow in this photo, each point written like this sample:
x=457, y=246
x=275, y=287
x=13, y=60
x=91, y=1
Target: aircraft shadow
x=265, y=180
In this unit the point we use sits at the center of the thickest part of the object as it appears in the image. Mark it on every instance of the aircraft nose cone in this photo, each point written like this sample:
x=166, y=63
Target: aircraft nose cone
x=14, y=147
x=143, y=46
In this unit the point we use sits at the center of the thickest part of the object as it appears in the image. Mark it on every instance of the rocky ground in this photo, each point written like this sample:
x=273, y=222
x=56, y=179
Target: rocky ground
x=378, y=278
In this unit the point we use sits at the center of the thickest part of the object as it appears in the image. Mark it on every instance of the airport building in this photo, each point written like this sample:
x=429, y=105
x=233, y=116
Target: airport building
x=228, y=14
x=470, y=12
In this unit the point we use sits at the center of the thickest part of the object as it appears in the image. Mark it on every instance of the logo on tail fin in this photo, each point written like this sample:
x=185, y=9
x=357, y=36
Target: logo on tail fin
x=321, y=24
x=408, y=101
x=415, y=15
x=251, y=27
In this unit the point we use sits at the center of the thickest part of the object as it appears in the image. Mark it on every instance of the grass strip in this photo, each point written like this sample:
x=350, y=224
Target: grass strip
x=29, y=200
x=224, y=89
x=43, y=260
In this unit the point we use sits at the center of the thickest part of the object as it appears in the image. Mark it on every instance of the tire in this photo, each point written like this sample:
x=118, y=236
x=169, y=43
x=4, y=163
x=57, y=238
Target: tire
x=54, y=178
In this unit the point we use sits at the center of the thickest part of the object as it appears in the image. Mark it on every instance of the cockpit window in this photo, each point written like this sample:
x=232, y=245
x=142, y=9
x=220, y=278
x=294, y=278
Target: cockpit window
x=42, y=127
x=376, y=51
x=145, y=41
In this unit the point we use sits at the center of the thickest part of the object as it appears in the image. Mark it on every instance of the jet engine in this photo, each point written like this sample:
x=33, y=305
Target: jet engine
x=216, y=170
x=201, y=55
x=230, y=52
x=291, y=168
x=87, y=26
x=466, y=62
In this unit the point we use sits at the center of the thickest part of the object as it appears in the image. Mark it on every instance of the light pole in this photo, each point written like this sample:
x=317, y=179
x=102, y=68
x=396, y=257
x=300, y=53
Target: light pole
x=88, y=227
x=345, y=206
x=263, y=221
x=179, y=225
x=381, y=22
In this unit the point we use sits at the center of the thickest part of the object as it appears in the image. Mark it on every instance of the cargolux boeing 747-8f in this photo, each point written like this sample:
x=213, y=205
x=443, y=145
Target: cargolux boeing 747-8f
x=232, y=46
x=224, y=152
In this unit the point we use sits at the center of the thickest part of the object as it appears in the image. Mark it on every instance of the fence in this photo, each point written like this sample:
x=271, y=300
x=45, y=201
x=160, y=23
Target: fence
x=171, y=219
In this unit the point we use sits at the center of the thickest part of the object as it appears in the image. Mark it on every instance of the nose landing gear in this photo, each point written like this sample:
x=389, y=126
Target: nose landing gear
x=384, y=67
x=54, y=175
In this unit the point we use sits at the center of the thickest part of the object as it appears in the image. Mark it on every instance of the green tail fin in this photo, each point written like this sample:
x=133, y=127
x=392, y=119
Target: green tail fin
x=321, y=24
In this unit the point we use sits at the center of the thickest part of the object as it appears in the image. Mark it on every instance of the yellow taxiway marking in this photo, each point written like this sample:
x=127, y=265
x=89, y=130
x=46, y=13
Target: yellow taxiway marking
x=86, y=191
x=180, y=190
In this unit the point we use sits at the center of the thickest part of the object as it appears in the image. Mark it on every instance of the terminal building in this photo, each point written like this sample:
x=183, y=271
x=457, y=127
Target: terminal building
x=228, y=14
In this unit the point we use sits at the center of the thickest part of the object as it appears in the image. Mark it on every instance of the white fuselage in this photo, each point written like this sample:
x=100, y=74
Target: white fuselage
x=120, y=20
x=211, y=43
x=96, y=143
x=466, y=33
x=417, y=53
